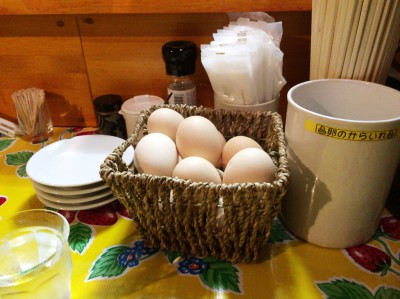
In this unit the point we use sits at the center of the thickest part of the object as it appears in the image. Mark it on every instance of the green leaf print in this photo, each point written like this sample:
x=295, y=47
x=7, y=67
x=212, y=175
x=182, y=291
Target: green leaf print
x=79, y=237
x=21, y=171
x=19, y=159
x=221, y=275
x=344, y=289
x=278, y=233
x=171, y=255
x=107, y=264
x=387, y=293
x=5, y=143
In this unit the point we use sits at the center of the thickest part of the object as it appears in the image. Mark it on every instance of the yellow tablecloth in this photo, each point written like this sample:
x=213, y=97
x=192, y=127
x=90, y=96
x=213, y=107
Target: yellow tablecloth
x=110, y=261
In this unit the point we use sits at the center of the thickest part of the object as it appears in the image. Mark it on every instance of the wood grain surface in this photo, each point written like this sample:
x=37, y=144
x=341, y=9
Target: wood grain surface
x=75, y=58
x=29, y=7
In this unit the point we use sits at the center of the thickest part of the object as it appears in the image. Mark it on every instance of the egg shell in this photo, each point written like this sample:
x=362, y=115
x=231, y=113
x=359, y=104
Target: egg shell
x=249, y=165
x=234, y=145
x=197, y=136
x=223, y=142
x=164, y=120
x=156, y=154
x=198, y=170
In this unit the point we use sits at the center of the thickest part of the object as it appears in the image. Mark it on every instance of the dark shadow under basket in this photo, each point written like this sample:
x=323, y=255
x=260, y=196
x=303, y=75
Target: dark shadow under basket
x=229, y=222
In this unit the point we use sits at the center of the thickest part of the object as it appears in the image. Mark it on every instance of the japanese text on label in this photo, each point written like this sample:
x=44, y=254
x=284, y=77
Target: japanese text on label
x=349, y=134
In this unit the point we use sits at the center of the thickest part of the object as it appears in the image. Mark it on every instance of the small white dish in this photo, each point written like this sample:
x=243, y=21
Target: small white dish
x=74, y=162
x=75, y=207
x=74, y=199
x=83, y=190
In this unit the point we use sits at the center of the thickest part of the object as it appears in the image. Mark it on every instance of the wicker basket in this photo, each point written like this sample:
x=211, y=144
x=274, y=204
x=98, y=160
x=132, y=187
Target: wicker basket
x=183, y=216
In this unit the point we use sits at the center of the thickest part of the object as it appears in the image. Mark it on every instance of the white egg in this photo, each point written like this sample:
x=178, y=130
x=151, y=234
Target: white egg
x=234, y=145
x=156, y=154
x=198, y=170
x=249, y=165
x=164, y=120
x=197, y=136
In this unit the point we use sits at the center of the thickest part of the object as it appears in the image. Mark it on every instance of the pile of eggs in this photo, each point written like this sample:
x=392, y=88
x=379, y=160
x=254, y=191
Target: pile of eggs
x=193, y=148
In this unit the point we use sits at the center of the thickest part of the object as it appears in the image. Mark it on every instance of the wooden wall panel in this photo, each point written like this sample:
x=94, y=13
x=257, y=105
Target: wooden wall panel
x=295, y=46
x=76, y=58
x=123, y=52
x=45, y=52
x=144, y=6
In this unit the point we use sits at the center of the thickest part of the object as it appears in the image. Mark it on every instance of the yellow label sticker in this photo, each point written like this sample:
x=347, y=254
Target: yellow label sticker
x=351, y=135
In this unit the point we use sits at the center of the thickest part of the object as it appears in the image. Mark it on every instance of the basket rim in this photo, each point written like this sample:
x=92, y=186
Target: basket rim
x=282, y=169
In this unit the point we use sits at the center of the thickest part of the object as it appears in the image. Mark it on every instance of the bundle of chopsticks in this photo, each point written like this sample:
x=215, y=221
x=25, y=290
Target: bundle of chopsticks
x=354, y=39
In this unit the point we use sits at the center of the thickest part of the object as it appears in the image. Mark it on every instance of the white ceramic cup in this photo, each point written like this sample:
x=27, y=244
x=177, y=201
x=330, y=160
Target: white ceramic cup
x=343, y=147
x=131, y=109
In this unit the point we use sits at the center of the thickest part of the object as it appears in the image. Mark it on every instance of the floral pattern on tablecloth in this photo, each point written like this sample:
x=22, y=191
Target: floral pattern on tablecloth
x=347, y=289
x=371, y=270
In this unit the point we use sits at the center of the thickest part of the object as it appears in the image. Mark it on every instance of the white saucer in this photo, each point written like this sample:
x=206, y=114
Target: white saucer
x=74, y=162
x=75, y=199
x=75, y=207
x=65, y=191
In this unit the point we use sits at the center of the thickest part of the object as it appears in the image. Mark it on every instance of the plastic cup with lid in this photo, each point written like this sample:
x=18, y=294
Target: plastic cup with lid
x=131, y=109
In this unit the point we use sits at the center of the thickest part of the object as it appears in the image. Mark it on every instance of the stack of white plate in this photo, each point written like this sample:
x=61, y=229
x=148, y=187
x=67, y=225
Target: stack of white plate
x=65, y=174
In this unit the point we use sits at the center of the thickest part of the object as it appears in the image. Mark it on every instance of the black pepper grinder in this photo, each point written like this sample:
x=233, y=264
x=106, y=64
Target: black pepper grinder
x=180, y=65
x=110, y=121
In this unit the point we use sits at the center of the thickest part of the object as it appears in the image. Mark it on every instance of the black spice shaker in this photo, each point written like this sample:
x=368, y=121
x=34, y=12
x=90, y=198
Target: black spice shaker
x=110, y=121
x=180, y=65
